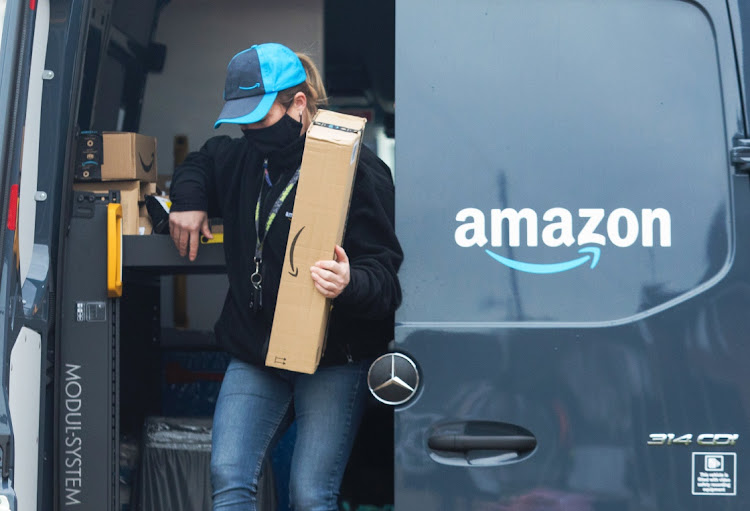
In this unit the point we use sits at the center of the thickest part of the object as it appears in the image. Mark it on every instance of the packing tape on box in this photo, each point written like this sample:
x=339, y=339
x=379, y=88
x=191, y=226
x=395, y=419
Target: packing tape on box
x=336, y=127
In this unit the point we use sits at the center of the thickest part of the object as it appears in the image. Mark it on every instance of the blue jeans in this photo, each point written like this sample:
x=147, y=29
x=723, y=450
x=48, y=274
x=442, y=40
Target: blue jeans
x=257, y=404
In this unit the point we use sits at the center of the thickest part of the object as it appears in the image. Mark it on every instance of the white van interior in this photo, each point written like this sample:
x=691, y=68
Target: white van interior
x=157, y=67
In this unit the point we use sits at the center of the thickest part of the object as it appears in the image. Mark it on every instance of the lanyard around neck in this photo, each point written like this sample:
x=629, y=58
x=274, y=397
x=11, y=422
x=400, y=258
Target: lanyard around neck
x=271, y=216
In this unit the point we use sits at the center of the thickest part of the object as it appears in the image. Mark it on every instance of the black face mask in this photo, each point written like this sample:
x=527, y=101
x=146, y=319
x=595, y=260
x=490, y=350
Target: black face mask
x=276, y=136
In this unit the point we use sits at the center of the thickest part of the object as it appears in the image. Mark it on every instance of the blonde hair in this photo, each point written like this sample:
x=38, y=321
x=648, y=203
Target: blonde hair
x=312, y=87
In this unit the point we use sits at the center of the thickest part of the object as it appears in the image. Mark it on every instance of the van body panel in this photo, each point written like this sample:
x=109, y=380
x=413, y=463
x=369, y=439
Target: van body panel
x=27, y=199
x=42, y=289
x=575, y=264
x=24, y=401
x=15, y=61
x=740, y=16
x=554, y=142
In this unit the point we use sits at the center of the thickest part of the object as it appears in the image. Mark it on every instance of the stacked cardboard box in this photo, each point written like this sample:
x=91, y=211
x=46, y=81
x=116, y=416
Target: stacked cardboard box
x=120, y=161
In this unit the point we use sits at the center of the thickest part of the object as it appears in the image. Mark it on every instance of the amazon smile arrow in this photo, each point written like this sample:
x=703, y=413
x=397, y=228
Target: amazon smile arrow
x=592, y=254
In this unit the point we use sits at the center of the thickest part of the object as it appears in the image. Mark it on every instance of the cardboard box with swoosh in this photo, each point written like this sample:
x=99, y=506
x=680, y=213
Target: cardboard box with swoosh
x=321, y=208
x=115, y=156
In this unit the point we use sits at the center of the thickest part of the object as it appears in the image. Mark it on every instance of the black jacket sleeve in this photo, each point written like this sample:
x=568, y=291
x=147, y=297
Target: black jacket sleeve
x=370, y=242
x=194, y=181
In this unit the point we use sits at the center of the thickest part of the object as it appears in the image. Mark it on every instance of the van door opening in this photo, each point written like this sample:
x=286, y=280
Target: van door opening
x=157, y=68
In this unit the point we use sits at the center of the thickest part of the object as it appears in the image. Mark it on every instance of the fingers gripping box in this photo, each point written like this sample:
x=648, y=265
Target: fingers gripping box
x=321, y=207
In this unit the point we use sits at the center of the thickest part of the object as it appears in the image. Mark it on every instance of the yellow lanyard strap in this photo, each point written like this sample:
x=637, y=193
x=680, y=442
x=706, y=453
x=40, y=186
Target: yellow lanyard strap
x=271, y=216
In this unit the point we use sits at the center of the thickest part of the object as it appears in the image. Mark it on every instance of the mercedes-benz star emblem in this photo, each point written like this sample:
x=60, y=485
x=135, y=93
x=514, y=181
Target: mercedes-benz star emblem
x=393, y=379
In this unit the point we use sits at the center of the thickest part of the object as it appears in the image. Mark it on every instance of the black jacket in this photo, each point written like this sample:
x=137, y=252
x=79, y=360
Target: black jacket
x=225, y=178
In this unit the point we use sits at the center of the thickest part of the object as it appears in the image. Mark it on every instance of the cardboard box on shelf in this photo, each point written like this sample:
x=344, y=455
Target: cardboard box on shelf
x=115, y=156
x=321, y=208
x=144, y=221
x=129, y=192
x=144, y=226
x=146, y=189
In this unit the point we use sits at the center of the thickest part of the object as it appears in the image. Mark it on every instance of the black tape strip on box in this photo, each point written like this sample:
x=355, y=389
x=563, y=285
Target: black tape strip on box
x=335, y=127
x=90, y=156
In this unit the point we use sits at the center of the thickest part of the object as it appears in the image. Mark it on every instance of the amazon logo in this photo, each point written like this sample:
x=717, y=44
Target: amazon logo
x=594, y=228
x=147, y=168
x=295, y=271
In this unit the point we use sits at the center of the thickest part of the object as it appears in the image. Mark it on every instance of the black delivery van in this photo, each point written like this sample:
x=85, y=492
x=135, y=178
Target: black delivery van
x=573, y=200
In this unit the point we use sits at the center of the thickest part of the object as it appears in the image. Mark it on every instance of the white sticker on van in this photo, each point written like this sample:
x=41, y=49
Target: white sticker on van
x=714, y=473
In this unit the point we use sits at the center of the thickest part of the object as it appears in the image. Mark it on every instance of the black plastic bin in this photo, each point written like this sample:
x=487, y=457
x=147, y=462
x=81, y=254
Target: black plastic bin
x=175, y=467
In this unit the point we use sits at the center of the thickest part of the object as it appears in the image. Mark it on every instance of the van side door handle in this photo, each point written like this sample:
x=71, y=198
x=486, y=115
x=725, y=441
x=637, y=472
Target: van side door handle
x=465, y=443
x=740, y=155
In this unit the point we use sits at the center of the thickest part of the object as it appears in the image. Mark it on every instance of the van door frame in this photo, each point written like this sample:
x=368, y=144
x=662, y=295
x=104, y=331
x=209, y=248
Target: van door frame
x=15, y=61
x=65, y=54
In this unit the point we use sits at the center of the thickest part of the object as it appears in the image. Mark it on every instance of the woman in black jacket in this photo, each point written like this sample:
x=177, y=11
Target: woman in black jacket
x=272, y=94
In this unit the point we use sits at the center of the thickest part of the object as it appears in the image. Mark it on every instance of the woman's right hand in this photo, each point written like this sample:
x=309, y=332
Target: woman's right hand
x=185, y=227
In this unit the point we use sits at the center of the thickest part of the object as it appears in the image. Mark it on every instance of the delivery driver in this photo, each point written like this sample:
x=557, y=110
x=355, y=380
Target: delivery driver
x=272, y=94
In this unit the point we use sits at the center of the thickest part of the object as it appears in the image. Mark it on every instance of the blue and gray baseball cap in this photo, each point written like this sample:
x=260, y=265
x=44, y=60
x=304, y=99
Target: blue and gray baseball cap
x=254, y=77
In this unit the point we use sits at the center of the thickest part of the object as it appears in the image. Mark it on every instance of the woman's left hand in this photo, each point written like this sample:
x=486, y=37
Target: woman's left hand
x=331, y=277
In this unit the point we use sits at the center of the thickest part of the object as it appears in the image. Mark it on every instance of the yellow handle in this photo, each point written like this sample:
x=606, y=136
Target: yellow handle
x=218, y=238
x=114, y=250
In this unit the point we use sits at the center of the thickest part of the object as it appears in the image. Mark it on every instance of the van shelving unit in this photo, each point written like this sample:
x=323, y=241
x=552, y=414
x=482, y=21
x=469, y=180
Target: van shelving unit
x=157, y=254
x=88, y=373
x=98, y=349
x=119, y=359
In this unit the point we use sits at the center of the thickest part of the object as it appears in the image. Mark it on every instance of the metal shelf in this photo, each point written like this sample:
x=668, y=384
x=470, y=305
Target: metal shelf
x=157, y=253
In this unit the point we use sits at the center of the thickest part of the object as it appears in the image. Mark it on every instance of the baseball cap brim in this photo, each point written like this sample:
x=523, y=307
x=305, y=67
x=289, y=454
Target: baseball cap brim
x=246, y=110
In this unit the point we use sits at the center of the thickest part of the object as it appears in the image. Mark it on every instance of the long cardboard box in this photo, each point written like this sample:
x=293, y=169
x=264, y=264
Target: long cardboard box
x=115, y=156
x=324, y=190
